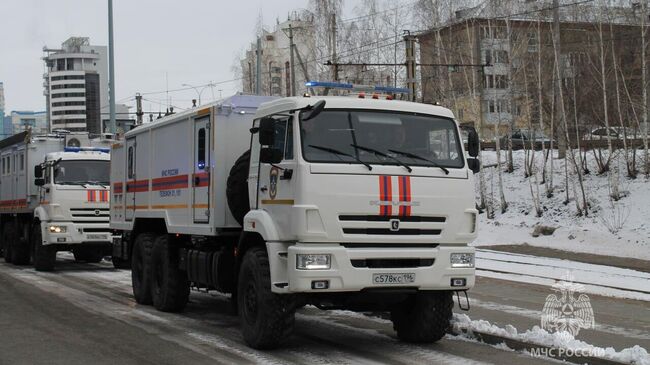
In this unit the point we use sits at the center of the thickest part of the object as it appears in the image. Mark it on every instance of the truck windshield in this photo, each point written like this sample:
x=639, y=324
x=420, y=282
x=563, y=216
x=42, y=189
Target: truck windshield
x=386, y=138
x=81, y=172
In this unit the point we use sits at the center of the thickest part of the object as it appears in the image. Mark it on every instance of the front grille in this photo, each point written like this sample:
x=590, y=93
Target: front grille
x=391, y=263
x=89, y=215
x=388, y=218
x=387, y=231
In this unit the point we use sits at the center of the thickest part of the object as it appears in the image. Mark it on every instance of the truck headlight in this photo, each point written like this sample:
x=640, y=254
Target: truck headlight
x=58, y=229
x=462, y=260
x=313, y=261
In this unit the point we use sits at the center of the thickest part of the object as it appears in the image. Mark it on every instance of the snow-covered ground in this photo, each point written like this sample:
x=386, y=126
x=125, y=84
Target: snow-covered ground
x=557, y=340
x=574, y=233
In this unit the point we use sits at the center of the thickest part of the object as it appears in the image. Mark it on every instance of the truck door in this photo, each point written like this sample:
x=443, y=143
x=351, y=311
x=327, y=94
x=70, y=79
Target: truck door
x=276, y=182
x=201, y=173
x=129, y=197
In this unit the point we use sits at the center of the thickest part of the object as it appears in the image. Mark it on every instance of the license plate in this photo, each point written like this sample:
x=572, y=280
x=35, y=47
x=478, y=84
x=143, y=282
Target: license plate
x=397, y=279
x=96, y=236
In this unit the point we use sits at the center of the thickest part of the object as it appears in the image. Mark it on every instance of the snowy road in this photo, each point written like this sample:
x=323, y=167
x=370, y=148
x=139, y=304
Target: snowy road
x=84, y=313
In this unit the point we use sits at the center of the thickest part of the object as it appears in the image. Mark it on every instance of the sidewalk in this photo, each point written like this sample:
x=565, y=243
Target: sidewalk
x=620, y=262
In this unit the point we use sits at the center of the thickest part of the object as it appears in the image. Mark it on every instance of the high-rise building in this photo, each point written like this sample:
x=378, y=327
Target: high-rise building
x=76, y=85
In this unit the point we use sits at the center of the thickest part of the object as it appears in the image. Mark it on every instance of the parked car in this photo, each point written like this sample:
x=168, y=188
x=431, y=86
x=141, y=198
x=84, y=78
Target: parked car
x=614, y=132
x=524, y=136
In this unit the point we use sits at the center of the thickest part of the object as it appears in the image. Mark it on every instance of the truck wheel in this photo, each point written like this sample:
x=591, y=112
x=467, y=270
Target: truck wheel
x=267, y=319
x=170, y=286
x=88, y=254
x=44, y=255
x=141, y=267
x=6, y=244
x=19, y=249
x=425, y=317
x=237, y=187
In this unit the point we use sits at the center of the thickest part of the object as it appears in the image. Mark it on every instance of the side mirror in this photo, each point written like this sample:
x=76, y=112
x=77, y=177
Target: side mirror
x=270, y=155
x=474, y=165
x=38, y=171
x=472, y=143
x=314, y=110
x=39, y=181
x=267, y=131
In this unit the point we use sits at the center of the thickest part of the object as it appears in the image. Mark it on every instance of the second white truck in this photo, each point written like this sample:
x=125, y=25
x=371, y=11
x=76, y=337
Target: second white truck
x=338, y=202
x=54, y=196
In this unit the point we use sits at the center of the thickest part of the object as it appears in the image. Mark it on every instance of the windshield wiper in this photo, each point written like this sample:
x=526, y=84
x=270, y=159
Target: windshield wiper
x=337, y=152
x=411, y=155
x=81, y=183
x=103, y=185
x=379, y=153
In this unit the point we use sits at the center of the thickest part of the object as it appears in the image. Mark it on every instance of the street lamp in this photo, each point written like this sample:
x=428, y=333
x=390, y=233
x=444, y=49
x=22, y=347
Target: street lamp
x=198, y=91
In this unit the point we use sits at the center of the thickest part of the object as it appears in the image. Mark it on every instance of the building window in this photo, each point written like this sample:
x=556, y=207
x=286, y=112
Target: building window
x=68, y=77
x=492, y=32
x=69, y=103
x=532, y=42
x=496, y=81
x=68, y=95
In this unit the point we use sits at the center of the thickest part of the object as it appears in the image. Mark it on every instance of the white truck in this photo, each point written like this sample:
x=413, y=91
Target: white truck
x=336, y=202
x=54, y=196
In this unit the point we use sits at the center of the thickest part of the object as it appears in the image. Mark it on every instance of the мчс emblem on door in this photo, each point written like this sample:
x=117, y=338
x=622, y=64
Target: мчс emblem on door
x=394, y=225
x=273, y=182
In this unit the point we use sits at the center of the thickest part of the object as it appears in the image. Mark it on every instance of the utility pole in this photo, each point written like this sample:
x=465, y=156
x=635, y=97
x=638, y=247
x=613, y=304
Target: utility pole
x=111, y=70
x=335, y=68
x=258, y=71
x=562, y=142
x=293, y=64
x=138, y=113
x=410, y=64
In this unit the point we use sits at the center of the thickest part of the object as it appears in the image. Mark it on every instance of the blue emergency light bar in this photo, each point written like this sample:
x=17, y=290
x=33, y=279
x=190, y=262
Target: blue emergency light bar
x=79, y=149
x=354, y=87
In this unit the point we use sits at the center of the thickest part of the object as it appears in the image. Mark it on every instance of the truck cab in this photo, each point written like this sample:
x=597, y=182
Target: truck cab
x=73, y=209
x=360, y=192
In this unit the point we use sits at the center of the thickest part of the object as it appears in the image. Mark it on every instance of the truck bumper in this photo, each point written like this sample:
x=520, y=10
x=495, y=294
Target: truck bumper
x=75, y=234
x=361, y=268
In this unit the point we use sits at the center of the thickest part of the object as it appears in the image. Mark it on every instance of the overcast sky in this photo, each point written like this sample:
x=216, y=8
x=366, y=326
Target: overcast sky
x=190, y=41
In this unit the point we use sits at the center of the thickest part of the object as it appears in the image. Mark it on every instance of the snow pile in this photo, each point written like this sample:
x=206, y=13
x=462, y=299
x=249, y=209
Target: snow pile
x=575, y=233
x=559, y=340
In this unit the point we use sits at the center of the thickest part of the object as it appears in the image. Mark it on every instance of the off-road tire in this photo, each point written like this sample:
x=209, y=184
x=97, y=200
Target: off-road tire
x=423, y=318
x=267, y=319
x=141, y=267
x=44, y=255
x=6, y=243
x=169, y=286
x=237, y=187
